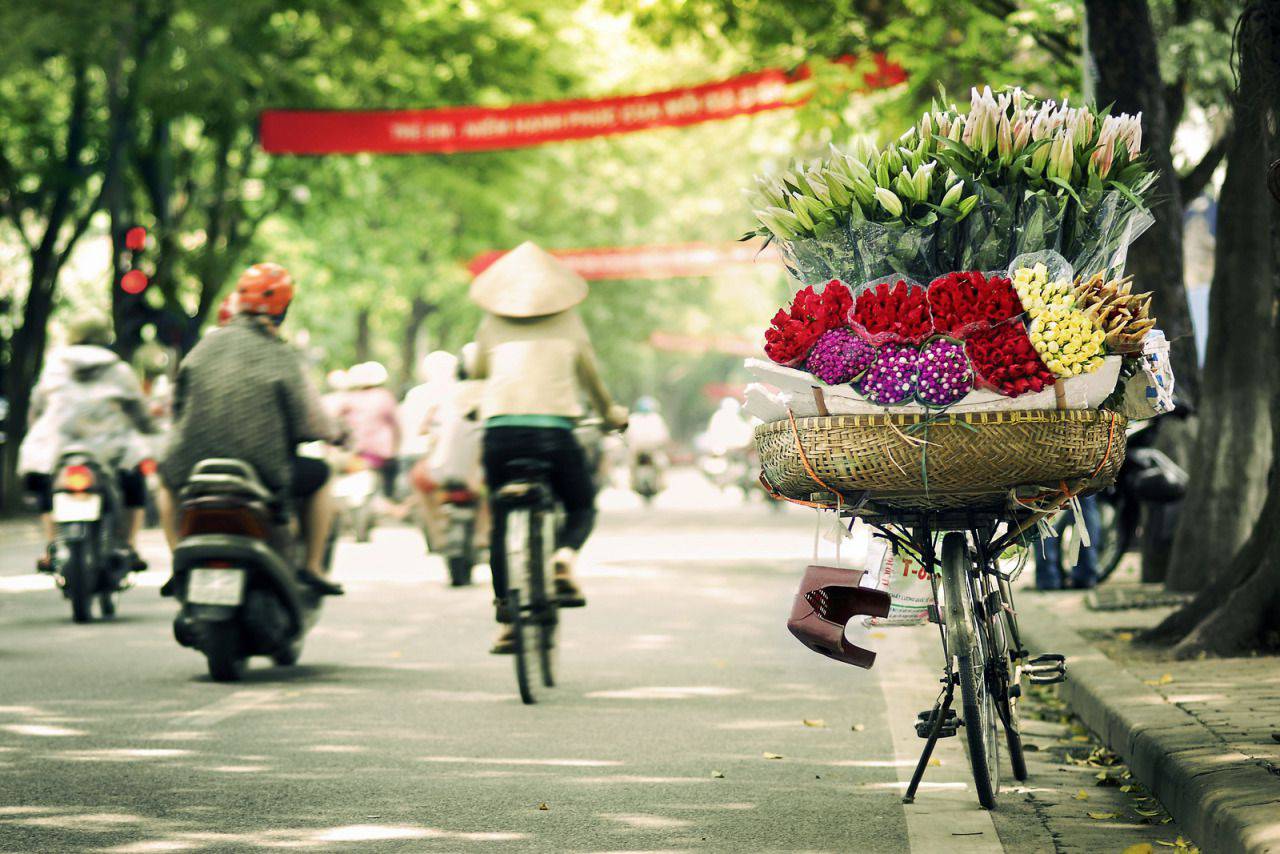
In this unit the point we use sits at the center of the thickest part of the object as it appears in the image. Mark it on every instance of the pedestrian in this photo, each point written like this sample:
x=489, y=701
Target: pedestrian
x=1084, y=575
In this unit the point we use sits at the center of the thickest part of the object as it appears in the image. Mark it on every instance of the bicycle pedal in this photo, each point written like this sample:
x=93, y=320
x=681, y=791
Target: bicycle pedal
x=1047, y=669
x=925, y=721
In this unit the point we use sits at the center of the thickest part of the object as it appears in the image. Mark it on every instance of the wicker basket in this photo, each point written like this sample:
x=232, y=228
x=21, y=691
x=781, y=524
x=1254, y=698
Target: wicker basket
x=941, y=461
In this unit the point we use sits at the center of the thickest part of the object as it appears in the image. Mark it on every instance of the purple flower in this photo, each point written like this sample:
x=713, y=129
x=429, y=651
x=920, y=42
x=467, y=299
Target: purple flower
x=891, y=377
x=944, y=373
x=839, y=356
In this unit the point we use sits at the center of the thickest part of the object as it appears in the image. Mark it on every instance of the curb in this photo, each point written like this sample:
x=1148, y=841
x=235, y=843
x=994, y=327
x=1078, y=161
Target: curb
x=1222, y=799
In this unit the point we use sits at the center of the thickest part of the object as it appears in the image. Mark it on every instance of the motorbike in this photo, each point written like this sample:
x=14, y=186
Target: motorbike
x=234, y=571
x=1148, y=480
x=356, y=492
x=646, y=476
x=461, y=507
x=88, y=559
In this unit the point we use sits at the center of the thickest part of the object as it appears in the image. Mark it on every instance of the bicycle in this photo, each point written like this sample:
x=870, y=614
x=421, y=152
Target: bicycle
x=983, y=653
x=529, y=507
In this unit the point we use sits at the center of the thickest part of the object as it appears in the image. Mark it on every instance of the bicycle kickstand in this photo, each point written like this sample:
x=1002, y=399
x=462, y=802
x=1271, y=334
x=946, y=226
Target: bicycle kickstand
x=940, y=715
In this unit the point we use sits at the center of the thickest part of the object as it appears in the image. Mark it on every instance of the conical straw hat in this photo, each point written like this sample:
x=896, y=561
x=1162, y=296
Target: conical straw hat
x=528, y=282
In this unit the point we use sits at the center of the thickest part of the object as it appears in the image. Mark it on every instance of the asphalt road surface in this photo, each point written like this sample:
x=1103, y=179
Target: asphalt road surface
x=687, y=717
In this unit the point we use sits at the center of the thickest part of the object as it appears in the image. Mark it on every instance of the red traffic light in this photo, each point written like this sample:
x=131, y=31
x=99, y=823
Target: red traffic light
x=135, y=239
x=133, y=282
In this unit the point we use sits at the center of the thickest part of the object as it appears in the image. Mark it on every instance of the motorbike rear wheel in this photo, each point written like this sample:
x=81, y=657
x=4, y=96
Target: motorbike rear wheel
x=78, y=574
x=221, y=647
x=460, y=564
x=288, y=656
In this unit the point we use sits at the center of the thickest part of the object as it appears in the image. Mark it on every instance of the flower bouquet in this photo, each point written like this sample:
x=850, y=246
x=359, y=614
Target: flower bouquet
x=1018, y=213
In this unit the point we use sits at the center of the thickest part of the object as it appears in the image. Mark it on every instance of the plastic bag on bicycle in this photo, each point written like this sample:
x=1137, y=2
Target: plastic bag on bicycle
x=906, y=582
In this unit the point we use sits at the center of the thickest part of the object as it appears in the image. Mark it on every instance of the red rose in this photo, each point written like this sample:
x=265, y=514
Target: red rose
x=796, y=329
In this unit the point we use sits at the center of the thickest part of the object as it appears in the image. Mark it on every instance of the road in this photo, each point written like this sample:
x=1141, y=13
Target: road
x=688, y=719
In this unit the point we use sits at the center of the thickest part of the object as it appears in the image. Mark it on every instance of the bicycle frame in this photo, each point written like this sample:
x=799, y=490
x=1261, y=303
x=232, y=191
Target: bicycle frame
x=993, y=629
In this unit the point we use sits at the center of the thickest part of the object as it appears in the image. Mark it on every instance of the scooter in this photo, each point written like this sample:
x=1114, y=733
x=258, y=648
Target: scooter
x=646, y=476
x=1148, y=478
x=461, y=507
x=87, y=558
x=234, y=571
x=356, y=493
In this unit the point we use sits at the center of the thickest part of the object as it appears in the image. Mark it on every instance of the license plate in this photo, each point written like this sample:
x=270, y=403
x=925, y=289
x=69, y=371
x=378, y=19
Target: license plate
x=209, y=586
x=76, y=507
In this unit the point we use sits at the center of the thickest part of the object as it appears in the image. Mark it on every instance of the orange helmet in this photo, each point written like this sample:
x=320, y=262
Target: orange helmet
x=264, y=289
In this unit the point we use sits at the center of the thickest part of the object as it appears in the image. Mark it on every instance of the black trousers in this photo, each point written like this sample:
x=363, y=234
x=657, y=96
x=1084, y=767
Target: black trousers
x=570, y=477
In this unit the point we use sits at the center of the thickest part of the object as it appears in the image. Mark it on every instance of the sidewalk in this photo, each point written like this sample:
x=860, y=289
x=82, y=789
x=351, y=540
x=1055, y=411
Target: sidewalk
x=1197, y=734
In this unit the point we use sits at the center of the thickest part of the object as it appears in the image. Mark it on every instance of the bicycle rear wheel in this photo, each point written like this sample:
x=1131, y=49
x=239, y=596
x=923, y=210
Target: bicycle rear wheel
x=525, y=644
x=545, y=611
x=966, y=644
x=1007, y=689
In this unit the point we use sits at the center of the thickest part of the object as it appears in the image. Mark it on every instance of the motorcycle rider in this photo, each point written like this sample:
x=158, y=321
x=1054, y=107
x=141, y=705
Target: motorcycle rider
x=242, y=393
x=419, y=423
x=728, y=431
x=368, y=410
x=534, y=353
x=648, y=436
x=87, y=395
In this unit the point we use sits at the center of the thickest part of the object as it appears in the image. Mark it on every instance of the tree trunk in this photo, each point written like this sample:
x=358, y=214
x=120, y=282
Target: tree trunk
x=419, y=311
x=1239, y=609
x=362, y=335
x=25, y=362
x=47, y=259
x=1123, y=54
x=1233, y=447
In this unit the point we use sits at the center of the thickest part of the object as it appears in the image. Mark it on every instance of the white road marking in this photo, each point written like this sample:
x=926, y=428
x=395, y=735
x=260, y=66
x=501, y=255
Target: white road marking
x=946, y=815
x=216, y=712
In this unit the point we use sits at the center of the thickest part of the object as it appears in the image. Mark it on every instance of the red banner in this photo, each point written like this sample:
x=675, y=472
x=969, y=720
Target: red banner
x=651, y=262
x=454, y=129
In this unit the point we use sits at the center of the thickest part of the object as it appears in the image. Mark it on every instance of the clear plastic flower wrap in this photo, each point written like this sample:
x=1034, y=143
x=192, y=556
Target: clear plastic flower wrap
x=1040, y=221
x=1101, y=232
x=811, y=260
x=894, y=248
x=989, y=232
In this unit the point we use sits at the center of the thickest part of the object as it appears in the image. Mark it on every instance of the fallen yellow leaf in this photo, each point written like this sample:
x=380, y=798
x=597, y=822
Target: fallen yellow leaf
x=858, y=727
x=543, y=806
x=1164, y=679
x=935, y=762
x=1140, y=848
x=816, y=723
x=717, y=775
x=772, y=755
x=1126, y=637
x=1103, y=816
x=1082, y=795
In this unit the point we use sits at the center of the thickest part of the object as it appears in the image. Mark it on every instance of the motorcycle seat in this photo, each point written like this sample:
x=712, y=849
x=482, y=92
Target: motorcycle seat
x=226, y=477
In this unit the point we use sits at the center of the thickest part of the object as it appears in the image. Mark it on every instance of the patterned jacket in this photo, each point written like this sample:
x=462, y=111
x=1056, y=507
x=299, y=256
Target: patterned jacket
x=242, y=393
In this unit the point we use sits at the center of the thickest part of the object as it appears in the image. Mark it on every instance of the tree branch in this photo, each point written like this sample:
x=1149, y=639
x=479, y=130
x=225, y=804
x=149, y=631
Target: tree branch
x=82, y=224
x=1193, y=183
x=1057, y=44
